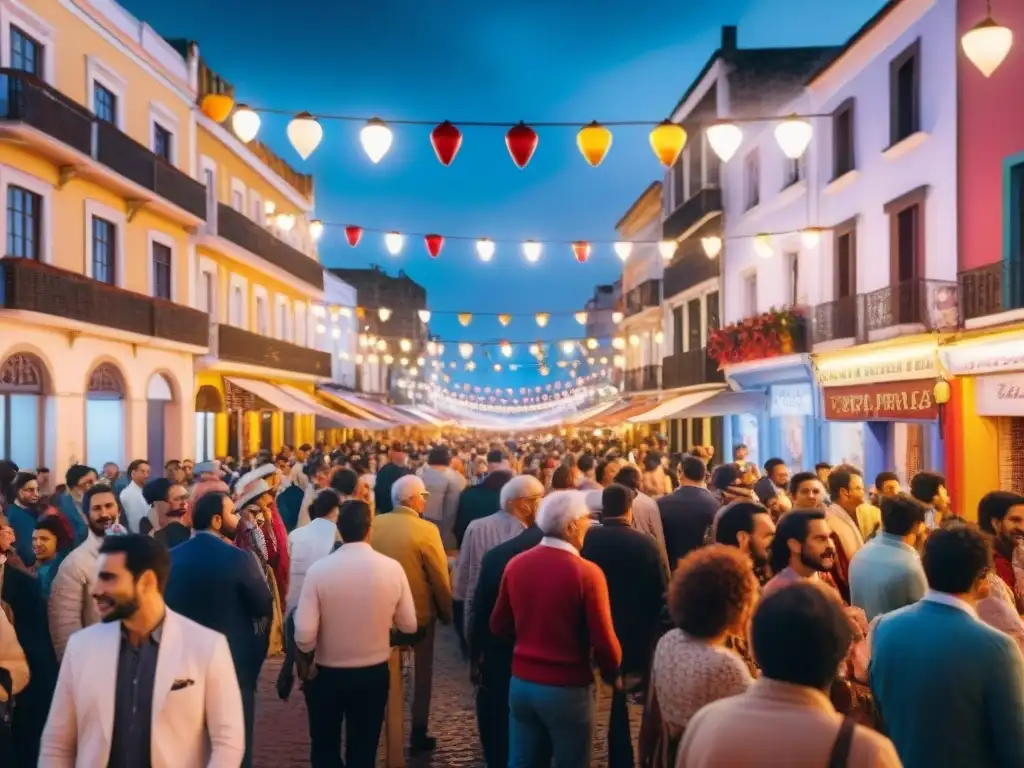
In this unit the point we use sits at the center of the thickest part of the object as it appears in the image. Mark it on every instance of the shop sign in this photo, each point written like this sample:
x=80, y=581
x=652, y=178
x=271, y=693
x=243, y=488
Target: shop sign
x=888, y=401
x=791, y=400
x=999, y=395
x=893, y=368
x=985, y=358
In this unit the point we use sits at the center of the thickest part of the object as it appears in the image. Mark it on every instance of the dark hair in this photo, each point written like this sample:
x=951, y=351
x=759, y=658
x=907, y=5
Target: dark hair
x=822, y=465
x=344, y=481
x=136, y=464
x=305, y=447
x=955, y=558
x=710, y=590
x=495, y=457
x=800, y=635
x=56, y=526
x=629, y=476
x=993, y=506
x=21, y=480
x=585, y=463
x=172, y=464
x=616, y=500
x=439, y=456
x=208, y=507
x=96, y=490
x=324, y=503
x=738, y=447
x=771, y=464
x=141, y=554
x=156, y=490
x=75, y=474
x=924, y=486
x=561, y=480
x=734, y=518
x=40, y=470
x=800, y=478
x=354, y=521
x=693, y=468
x=884, y=477
x=839, y=479
x=792, y=525
x=901, y=514
x=652, y=461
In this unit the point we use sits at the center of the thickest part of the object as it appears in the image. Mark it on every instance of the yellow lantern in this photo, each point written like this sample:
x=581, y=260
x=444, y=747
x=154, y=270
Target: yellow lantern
x=542, y=318
x=594, y=141
x=504, y=319
x=667, y=141
x=941, y=392
x=581, y=318
x=465, y=318
x=217, y=106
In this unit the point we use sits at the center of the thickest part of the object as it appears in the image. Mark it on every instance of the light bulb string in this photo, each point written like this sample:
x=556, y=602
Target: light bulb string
x=453, y=343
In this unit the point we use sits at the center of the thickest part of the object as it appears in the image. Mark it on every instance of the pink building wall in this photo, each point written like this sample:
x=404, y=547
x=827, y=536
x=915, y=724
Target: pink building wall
x=991, y=129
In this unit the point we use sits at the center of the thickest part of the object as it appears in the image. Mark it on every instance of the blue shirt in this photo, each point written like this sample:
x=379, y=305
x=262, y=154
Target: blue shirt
x=23, y=521
x=886, y=574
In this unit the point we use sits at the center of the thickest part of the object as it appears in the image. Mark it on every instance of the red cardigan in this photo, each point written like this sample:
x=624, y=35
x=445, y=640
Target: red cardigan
x=555, y=604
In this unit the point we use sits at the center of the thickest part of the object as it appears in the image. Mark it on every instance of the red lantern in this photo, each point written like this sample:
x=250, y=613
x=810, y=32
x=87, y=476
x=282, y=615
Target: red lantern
x=521, y=141
x=446, y=140
x=581, y=248
x=353, y=234
x=434, y=242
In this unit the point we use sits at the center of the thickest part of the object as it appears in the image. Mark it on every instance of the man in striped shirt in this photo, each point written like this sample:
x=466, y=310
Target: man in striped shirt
x=520, y=498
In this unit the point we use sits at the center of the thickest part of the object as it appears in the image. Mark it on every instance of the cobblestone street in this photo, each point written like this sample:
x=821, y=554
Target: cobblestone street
x=282, y=734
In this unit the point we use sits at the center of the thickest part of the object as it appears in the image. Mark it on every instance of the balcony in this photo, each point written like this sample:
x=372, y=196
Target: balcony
x=992, y=289
x=687, y=369
x=835, y=320
x=643, y=379
x=930, y=303
x=238, y=346
x=247, y=234
x=36, y=114
x=689, y=216
x=645, y=295
x=29, y=286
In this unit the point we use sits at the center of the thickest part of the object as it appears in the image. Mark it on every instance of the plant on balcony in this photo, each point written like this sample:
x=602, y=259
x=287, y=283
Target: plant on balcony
x=776, y=332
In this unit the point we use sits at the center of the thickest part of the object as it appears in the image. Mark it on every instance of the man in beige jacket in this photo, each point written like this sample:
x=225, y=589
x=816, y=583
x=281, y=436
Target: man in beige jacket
x=800, y=636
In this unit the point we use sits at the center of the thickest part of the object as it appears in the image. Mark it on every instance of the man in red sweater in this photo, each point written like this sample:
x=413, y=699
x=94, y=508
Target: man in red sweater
x=555, y=604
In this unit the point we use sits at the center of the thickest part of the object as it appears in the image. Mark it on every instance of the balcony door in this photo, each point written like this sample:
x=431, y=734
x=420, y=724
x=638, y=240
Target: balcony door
x=907, y=256
x=693, y=325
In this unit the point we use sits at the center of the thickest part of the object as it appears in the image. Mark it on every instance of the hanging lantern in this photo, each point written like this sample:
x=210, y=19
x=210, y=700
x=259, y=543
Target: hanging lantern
x=634, y=340
x=531, y=250
x=285, y=222
x=619, y=361
x=497, y=367
x=217, y=106
x=542, y=319
x=712, y=245
x=658, y=337
x=568, y=347
x=413, y=371
x=594, y=141
x=987, y=43
x=405, y=345
x=619, y=343
x=376, y=138
x=618, y=317
x=361, y=313
x=321, y=328
x=725, y=140
x=305, y=134
x=394, y=241
x=384, y=314
x=504, y=320
x=581, y=318
x=793, y=136
x=811, y=236
x=667, y=249
x=465, y=318
x=506, y=349
x=420, y=362
x=432, y=349
x=544, y=370
x=667, y=140
x=581, y=250
x=763, y=246
x=521, y=141
x=388, y=359
x=592, y=344
x=316, y=230
x=466, y=350
x=424, y=315
x=446, y=140
x=403, y=361
x=245, y=123
x=353, y=234
x=485, y=249
x=434, y=244
x=318, y=310
x=622, y=249
x=535, y=350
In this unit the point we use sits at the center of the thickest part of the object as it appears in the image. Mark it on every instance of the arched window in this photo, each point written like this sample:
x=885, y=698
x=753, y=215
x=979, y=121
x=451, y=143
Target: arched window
x=105, y=433
x=159, y=409
x=22, y=400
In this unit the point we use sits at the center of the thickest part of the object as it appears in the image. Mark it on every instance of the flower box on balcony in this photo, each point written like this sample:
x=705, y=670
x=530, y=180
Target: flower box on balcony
x=772, y=334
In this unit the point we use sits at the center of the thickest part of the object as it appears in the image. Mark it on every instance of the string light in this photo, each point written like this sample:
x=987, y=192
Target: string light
x=394, y=241
x=712, y=245
x=987, y=43
x=376, y=138
x=622, y=249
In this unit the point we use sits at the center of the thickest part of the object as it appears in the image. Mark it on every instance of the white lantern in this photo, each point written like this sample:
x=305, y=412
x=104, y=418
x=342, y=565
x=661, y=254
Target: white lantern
x=376, y=139
x=316, y=230
x=793, y=136
x=335, y=333
x=658, y=337
x=531, y=250
x=725, y=139
x=581, y=318
x=811, y=237
x=285, y=222
x=497, y=367
x=634, y=340
x=245, y=123
x=617, y=317
x=712, y=245
x=305, y=134
x=405, y=345
x=535, y=350
x=763, y=246
x=568, y=347
x=384, y=314
x=321, y=328
x=667, y=249
x=485, y=249
x=466, y=350
x=618, y=343
x=506, y=349
x=622, y=249
x=394, y=241
x=986, y=44
x=424, y=315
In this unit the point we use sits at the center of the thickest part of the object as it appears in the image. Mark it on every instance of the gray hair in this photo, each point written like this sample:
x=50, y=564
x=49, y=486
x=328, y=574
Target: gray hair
x=520, y=487
x=559, y=510
x=406, y=487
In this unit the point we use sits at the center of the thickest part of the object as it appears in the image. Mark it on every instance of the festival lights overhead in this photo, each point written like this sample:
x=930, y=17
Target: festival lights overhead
x=376, y=138
x=305, y=134
x=667, y=249
x=725, y=140
x=987, y=43
x=622, y=249
x=712, y=245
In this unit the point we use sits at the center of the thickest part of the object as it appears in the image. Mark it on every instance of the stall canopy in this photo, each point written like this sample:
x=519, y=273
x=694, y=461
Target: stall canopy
x=424, y=414
x=329, y=418
x=581, y=416
x=373, y=422
x=374, y=410
x=621, y=412
x=272, y=394
x=699, y=405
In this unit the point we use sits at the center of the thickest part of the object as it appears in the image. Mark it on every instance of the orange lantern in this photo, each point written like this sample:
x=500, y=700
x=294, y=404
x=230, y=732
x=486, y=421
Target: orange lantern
x=667, y=141
x=465, y=319
x=594, y=141
x=504, y=319
x=217, y=106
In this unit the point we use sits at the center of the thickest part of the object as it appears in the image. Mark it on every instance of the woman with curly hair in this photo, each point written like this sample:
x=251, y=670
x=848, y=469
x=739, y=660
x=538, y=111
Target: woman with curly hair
x=712, y=597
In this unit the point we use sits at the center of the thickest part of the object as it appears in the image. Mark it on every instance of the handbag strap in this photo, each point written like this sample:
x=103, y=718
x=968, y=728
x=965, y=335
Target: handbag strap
x=844, y=741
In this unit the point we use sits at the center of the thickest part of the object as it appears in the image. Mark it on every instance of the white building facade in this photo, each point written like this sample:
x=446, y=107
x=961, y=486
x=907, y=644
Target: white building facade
x=337, y=331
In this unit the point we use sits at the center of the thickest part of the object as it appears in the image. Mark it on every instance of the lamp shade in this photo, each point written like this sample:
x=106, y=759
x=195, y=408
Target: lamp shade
x=622, y=249
x=521, y=141
x=465, y=318
x=424, y=315
x=446, y=140
x=485, y=249
x=531, y=250
x=305, y=134
x=217, y=106
x=793, y=136
x=245, y=123
x=504, y=319
x=466, y=350
x=986, y=44
x=285, y=222
x=542, y=318
x=712, y=245
x=725, y=140
x=667, y=249
x=394, y=241
x=581, y=250
x=581, y=318
x=384, y=314
x=667, y=140
x=376, y=138
x=618, y=317
x=811, y=236
x=434, y=244
x=353, y=234
x=763, y=246
x=506, y=349
x=594, y=141
x=316, y=229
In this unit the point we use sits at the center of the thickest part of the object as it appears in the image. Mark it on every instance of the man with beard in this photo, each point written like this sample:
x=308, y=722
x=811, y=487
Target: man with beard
x=22, y=514
x=168, y=506
x=748, y=527
x=220, y=586
x=71, y=607
x=807, y=491
x=802, y=550
x=146, y=687
x=1001, y=514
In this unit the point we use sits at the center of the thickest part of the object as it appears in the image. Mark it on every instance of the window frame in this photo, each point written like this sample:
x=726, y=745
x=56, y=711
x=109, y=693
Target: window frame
x=15, y=13
x=238, y=282
x=95, y=209
x=282, y=311
x=36, y=222
x=752, y=180
x=846, y=108
x=848, y=229
x=261, y=311
x=915, y=198
x=99, y=73
x=13, y=176
x=911, y=53
x=99, y=225
x=155, y=238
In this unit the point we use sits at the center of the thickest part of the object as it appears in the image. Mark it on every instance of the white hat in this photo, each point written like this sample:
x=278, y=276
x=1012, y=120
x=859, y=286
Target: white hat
x=257, y=474
x=250, y=491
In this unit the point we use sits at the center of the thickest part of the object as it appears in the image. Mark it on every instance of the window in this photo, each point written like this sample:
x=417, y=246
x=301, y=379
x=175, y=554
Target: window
x=677, y=331
x=696, y=169
x=262, y=321
x=906, y=236
x=26, y=53
x=282, y=321
x=104, y=250
x=846, y=263
x=693, y=329
x=161, y=257
x=711, y=311
x=24, y=223
x=678, y=190
x=793, y=274
x=750, y=294
x=793, y=171
x=238, y=200
x=907, y=222
x=162, y=139
x=904, y=94
x=843, y=156
x=105, y=103
x=236, y=306
x=752, y=181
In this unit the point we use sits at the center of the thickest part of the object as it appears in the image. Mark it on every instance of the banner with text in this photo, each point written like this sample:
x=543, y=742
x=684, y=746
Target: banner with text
x=889, y=401
x=999, y=395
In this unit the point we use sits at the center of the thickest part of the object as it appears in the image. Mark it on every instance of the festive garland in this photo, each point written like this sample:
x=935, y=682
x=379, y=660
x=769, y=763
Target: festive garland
x=774, y=333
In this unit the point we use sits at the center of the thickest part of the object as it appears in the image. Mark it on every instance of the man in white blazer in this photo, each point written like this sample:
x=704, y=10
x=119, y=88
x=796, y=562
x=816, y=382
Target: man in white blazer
x=146, y=686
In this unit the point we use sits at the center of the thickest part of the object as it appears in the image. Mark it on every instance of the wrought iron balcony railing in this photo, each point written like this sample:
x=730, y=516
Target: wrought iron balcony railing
x=246, y=233
x=992, y=289
x=643, y=379
x=240, y=346
x=686, y=369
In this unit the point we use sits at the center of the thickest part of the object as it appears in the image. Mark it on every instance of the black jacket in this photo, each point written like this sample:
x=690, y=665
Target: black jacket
x=221, y=587
x=289, y=504
x=632, y=566
x=386, y=477
x=173, y=534
x=479, y=501
x=686, y=516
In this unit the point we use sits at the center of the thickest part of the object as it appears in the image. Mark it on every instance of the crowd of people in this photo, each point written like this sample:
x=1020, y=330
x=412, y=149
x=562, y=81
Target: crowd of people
x=761, y=617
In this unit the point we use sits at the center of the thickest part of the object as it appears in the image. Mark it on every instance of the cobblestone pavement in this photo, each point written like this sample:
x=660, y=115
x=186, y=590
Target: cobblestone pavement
x=282, y=734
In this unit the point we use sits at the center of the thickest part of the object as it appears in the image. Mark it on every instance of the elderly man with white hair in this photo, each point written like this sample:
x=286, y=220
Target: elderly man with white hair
x=519, y=500
x=555, y=604
x=415, y=543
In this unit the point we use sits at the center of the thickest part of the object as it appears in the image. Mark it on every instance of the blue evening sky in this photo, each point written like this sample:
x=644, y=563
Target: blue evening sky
x=559, y=60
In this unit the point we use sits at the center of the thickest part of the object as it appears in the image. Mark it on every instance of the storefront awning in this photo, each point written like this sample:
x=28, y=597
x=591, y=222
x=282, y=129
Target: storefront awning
x=581, y=416
x=424, y=415
x=699, y=405
x=271, y=394
x=329, y=418
x=372, y=410
x=621, y=413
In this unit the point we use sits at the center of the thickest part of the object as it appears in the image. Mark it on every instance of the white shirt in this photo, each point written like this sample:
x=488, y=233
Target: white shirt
x=306, y=546
x=349, y=604
x=565, y=546
x=135, y=506
x=944, y=598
